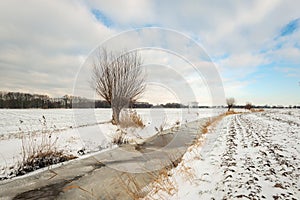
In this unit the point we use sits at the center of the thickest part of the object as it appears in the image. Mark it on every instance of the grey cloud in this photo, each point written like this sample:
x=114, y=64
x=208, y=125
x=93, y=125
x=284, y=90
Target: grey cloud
x=41, y=42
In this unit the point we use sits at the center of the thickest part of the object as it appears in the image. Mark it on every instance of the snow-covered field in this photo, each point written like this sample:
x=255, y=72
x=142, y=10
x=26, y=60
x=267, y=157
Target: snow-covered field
x=245, y=156
x=77, y=129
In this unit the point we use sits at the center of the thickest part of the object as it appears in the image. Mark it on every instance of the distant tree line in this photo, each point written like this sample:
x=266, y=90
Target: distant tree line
x=267, y=106
x=171, y=105
x=27, y=100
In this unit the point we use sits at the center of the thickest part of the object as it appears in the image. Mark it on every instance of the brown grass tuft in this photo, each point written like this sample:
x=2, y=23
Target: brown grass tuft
x=161, y=128
x=130, y=118
x=232, y=112
x=257, y=110
x=120, y=138
x=164, y=183
x=187, y=173
x=39, y=150
x=41, y=160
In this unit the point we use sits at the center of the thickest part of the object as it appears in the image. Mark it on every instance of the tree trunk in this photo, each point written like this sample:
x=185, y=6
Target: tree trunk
x=116, y=116
x=229, y=108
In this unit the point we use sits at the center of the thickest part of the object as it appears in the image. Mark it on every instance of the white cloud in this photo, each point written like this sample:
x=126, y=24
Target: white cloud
x=238, y=66
x=289, y=71
x=50, y=39
x=45, y=38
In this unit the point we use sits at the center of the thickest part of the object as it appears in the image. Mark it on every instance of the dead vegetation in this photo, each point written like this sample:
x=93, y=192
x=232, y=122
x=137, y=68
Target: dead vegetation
x=161, y=127
x=187, y=173
x=130, y=185
x=213, y=120
x=232, y=112
x=130, y=118
x=120, y=138
x=165, y=183
x=41, y=160
x=39, y=150
x=257, y=110
x=162, y=181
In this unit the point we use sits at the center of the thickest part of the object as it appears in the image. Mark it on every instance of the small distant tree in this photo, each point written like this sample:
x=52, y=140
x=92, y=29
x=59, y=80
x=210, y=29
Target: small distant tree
x=248, y=106
x=230, y=102
x=118, y=78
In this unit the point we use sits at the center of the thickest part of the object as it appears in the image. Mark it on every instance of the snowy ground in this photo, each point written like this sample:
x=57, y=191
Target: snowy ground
x=78, y=129
x=245, y=156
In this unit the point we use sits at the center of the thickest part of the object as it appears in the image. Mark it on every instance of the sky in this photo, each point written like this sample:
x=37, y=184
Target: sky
x=249, y=49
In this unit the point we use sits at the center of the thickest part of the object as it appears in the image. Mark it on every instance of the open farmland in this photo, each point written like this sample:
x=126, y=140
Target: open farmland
x=247, y=156
x=80, y=129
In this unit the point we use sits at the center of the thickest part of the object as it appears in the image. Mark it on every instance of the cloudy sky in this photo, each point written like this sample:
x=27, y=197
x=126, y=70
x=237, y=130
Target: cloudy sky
x=253, y=45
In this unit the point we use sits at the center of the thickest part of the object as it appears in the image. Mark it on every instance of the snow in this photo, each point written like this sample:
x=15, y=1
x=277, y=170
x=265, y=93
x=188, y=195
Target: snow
x=247, y=156
x=80, y=129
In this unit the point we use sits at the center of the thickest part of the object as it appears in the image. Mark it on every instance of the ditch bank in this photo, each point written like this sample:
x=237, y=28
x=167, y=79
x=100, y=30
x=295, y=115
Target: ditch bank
x=119, y=173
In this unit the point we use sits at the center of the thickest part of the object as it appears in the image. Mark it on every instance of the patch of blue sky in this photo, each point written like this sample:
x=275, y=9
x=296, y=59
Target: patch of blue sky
x=102, y=18
x=151, y=25
x=219, y=57
x=270, y=83
x=290, y=27
x=297, y=45
x=277, y=45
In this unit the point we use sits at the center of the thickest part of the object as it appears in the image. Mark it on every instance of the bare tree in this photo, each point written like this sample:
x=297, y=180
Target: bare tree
x=230, y=102
x=118, y=78
x=248, y=106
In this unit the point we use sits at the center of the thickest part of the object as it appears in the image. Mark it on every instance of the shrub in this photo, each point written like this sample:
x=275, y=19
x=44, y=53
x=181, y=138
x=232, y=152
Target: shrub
x=120, y=138
x=130, y=118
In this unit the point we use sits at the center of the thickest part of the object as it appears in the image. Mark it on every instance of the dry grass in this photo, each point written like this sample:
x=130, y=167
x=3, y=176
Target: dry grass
x=214, y=120
x=187, y=173
x=120, y=138
x=161, y=128
x=206, y=125
x=40, y=150
x=41, y=160
x=257, y=110
x=131, y=185
x=163, y=183
x=232, y=112
x=130, y=118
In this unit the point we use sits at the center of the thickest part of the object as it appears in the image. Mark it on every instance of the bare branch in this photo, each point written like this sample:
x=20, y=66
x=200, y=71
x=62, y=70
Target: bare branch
x=118, y=78
x=230, y=102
